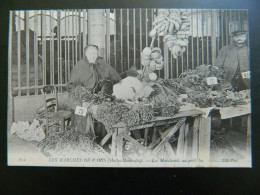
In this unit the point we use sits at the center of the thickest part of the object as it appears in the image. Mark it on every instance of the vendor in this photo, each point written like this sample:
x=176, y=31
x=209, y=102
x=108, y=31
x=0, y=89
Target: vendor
x=234, y=60
x=92, y=69
x=90, y=72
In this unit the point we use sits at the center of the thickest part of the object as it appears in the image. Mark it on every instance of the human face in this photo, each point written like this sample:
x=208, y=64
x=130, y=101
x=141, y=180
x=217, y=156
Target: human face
x=240, y=39
x=91, y=54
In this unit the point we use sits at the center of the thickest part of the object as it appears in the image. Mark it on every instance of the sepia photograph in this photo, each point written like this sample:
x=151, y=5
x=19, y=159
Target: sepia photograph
x=129, y=88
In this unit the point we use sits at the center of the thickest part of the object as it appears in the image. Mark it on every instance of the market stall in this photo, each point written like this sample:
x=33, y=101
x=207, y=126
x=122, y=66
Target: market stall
x=144, y=115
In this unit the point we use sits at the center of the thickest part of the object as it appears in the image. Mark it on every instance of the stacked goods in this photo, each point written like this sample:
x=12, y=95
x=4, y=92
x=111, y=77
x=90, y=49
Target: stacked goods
x=196, y=79
x=164, y=100
x=174, y=25
x=66, y=143
x=80, y=94
x=110, y=113
x=172, y=84
x=138, y=115
x=204, y=95
x=113, y=113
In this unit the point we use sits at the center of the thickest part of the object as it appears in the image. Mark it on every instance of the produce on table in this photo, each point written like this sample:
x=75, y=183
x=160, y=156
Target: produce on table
x=203, y=95
x=139, y=114
x=110, y=113
x=164, y=100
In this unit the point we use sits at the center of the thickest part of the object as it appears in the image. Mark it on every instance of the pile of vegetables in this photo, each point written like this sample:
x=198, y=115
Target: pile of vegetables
x=203, y=95
x=138, y=115
x=196, y=79
x=113, y=113
x=68, y=143
x=110, y=113
x=164, y=100
x=174, y=85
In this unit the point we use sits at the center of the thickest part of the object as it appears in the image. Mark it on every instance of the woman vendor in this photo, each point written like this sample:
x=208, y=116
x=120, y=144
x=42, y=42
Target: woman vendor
x=91, y=72
x=92, y=69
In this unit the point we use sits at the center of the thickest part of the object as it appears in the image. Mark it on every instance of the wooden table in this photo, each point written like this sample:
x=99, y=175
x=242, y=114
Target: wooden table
x=200, y=136
x=238, y=111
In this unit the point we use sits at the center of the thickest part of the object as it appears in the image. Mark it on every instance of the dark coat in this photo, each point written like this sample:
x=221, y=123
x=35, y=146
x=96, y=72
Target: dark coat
x=230, y=57
x=89, y=74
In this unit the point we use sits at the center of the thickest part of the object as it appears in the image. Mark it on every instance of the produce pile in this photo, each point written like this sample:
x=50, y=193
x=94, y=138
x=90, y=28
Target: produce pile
x=68, y=143
x=79, y=95
x=174, y=85
x=174, y=25
x=110, y=113
x=164, y=100
x=204, y=95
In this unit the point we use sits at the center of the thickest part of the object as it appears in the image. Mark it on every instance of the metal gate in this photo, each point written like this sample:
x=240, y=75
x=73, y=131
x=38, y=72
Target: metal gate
x=45, y=45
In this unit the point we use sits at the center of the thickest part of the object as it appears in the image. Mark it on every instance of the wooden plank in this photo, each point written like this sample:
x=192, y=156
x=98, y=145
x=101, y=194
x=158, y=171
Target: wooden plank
x=192, y=41
x=115, y=21
x=136, y=143
x=134, y=28
x=114, y=141
x=146, y=131
x=195, y=143
x=128, y=34
x=166, y=61
x=36, y=87
x=213, y=35
x=27, y=50
x=43, y=39
x=108, y=35
x=106, y=138
x=19, y=51
x=66, y=46
x=141, y=32
x=168, y=146
x=121, y=40
x=84, y=29
x=168, y=136
x=186, y=140
x=79, y=35
x=146, y=29
x=59, y=44
x=119, y=145
x=180, y=145
x=204, y=138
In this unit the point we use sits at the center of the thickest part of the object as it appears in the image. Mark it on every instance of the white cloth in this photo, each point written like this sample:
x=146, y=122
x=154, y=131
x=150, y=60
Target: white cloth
x=29, y=132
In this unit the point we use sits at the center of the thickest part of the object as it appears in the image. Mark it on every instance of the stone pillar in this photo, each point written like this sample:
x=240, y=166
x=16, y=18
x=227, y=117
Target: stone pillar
x=96, y=29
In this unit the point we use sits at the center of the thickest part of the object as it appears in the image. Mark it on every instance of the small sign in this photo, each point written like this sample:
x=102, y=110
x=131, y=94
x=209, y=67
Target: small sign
x=246, y=75
x=81, y=111
x=212, y=80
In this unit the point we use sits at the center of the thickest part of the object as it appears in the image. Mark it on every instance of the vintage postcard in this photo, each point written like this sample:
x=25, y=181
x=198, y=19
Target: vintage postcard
x=129, y=88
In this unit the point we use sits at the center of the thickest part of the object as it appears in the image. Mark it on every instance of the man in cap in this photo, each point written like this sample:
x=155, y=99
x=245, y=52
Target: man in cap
x=234, y=60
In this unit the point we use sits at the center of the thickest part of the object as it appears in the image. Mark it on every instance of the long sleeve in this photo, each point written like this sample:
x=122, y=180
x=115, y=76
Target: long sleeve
x=221, y=57
x=114, y=76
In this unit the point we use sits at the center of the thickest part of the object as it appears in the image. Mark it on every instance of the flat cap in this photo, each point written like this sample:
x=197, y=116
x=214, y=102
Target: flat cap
x=239, y=32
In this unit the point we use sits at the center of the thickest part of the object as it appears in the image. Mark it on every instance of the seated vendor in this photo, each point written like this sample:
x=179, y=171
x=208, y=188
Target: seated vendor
x=91, y=69
x=89, y=72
